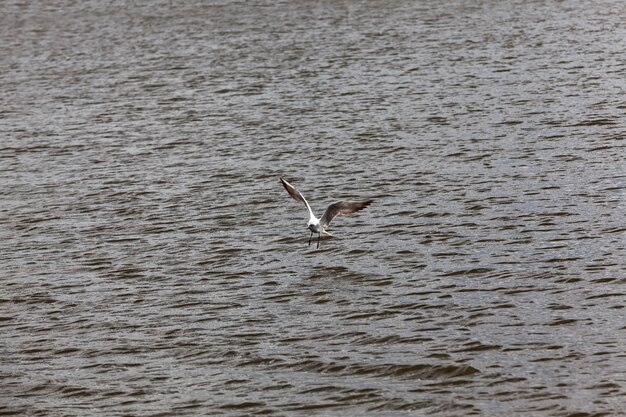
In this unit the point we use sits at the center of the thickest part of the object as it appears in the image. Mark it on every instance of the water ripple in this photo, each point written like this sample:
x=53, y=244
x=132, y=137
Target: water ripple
x=153, y=265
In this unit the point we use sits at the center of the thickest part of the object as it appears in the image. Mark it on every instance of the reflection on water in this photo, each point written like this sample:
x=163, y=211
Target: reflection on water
x=152, y=262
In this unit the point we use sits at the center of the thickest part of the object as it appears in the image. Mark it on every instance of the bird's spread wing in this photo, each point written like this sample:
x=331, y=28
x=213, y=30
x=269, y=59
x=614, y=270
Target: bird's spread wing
x=342, y=207
x=296, y=195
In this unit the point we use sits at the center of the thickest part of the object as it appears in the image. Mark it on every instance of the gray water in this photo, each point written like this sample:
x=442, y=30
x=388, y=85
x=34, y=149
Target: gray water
x=152, y=264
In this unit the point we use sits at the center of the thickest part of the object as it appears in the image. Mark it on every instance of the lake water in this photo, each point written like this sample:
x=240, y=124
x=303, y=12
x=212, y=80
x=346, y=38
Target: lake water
x=151, y=263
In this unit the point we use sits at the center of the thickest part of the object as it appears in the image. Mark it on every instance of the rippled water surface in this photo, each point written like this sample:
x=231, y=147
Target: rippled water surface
x=152, y=264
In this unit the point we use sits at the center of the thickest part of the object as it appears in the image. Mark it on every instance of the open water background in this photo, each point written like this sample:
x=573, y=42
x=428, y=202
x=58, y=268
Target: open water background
x=152, y=264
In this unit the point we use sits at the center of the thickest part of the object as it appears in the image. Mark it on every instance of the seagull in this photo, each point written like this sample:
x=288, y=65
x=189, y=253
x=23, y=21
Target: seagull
x=319, y=226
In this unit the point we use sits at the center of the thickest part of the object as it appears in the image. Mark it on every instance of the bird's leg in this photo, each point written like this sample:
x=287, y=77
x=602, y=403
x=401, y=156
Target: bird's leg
x=318, y=240
x=310, y=237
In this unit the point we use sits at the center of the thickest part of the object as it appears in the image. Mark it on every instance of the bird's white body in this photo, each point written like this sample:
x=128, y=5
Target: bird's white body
x=315, y=226
x=319, y=226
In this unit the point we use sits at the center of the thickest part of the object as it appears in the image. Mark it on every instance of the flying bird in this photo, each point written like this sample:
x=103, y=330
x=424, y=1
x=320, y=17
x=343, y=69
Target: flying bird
x=319, y=226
